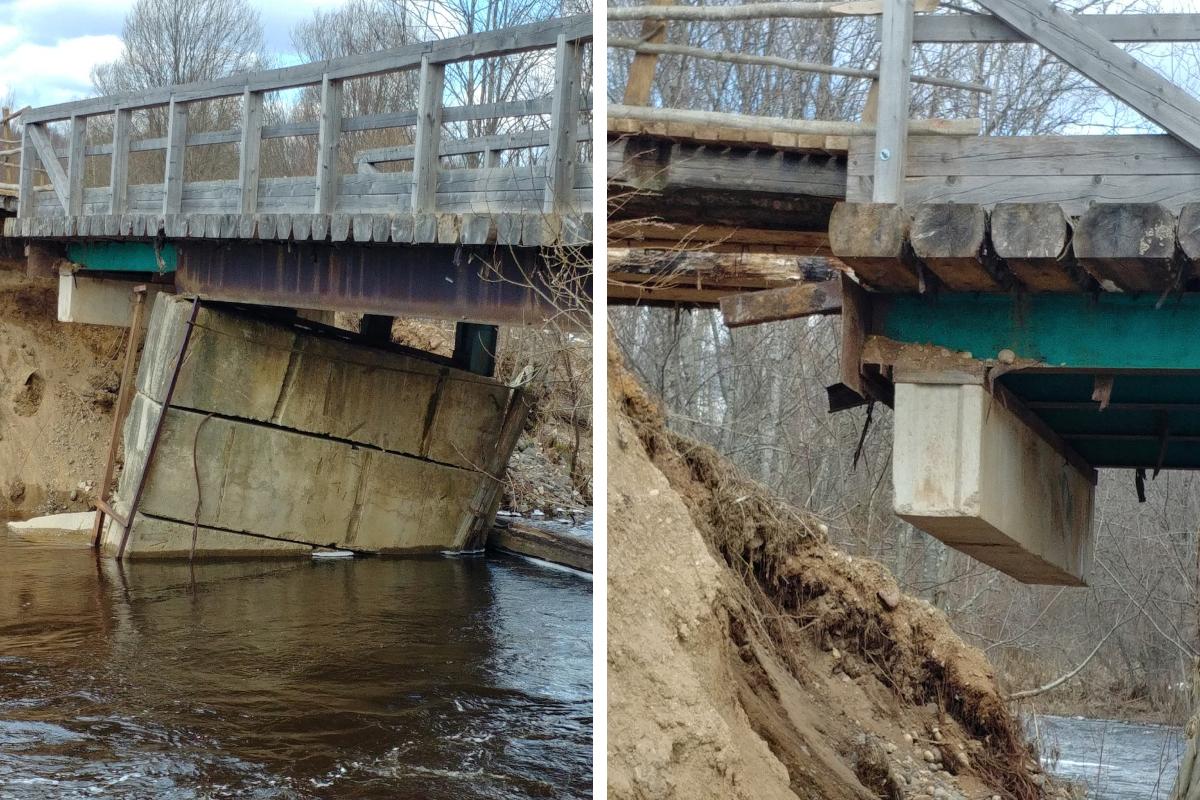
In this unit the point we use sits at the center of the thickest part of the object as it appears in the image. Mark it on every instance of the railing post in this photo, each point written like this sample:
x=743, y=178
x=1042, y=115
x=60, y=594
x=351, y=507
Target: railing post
x=248, y=155
x=75, y=156
x=25, y=199
x=429, y=134
x=177, y=124
x=564, y=121
x=891, y=125
x=118, y=182
x=327, y=145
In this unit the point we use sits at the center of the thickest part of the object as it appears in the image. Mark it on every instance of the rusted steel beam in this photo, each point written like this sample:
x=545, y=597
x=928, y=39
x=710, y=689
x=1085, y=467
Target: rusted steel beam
x=491, y=285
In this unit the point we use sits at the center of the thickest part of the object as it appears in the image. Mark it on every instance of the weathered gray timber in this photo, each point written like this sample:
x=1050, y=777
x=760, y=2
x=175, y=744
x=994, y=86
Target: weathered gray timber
x=951, y=239
x=60, y=206
x=872, y=239
x=986, y=29
x=791, y=302
x=1033, y=240
x=277, y=431
x=1129, y=247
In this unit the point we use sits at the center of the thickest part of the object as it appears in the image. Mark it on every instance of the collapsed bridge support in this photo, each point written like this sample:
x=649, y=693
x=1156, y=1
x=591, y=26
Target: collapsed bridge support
x=271, y=438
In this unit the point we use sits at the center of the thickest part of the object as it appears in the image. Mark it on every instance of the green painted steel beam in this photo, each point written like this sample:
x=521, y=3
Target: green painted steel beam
x=1105, y=332
x=123, y=256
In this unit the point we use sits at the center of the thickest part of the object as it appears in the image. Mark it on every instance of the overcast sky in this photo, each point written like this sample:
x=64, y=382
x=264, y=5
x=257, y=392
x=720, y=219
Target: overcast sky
x=48, y=47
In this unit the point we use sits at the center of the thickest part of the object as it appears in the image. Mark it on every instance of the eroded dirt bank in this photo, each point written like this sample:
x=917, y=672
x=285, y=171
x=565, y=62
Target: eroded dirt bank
x=750, y=659
x=58, y=383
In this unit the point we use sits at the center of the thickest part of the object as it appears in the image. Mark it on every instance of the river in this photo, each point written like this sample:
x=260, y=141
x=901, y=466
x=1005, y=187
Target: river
x=349, y=678
x=1117, y=760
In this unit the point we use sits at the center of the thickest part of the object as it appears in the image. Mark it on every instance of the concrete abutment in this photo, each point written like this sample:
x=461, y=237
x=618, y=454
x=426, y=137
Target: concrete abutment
x=280, y=437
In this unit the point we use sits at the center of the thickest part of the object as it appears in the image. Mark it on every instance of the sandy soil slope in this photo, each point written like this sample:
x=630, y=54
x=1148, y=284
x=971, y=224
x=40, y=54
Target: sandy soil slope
x=749, y=659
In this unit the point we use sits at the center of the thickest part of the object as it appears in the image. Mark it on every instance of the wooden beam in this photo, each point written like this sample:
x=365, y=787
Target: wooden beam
x=649, y=49
x=1188, y=232
x=429, y=132
x=488, y=44
x=75, y=166
x=1130, y=245
x=327, y=146
x=26, y=203
x=177, y=124
x=891, y=123
x=951, y=239
x=983, y=29
x=1110, y=67
x=787, y=10
x=118, y=182
x=792, y=302
x=50, y=162
x=703, y=237
x=1033, y=239
x=250, y=151
x=563, y=153
x=947, y=127
x=870, y=238
x=640, y=82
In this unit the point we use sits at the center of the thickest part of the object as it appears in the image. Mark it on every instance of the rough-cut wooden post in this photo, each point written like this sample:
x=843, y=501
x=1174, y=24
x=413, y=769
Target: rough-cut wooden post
x=118, y=182
x=25, y=200
x=564, y=120
x=248, y=154
x=641, y=71
x=891, y=131
x=429, y=134
x=327, y=145
x=75, y=156
x=789, y=302
x=177, y=125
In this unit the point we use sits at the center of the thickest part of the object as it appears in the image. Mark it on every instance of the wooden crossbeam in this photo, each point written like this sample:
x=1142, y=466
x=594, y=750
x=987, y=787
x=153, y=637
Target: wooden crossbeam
x=50, y=163
x=1110, y=67
x=984, y=29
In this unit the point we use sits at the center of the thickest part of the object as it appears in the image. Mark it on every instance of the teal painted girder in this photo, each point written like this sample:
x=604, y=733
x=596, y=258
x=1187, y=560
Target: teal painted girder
x=123, y=256
x=1148, y=350
x=1108, y=331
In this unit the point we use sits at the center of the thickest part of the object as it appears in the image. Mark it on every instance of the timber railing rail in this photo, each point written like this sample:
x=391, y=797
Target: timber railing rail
x=391, y=204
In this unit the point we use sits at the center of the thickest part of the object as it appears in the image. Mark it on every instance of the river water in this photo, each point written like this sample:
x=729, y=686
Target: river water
x=364, y=678
x=1117, y=760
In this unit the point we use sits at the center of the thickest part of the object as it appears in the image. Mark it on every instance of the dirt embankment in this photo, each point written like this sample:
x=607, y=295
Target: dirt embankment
x=58, y=383
x=750, y=659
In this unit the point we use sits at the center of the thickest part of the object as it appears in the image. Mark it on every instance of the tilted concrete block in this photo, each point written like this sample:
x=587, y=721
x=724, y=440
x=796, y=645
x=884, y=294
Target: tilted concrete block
x=245, y=367
x=969, y=472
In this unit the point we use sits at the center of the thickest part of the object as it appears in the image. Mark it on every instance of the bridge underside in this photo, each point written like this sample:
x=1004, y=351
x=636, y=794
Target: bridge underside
x=486, y=284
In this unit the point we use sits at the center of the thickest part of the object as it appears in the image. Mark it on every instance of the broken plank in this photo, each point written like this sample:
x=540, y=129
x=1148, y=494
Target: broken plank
x=791, y=302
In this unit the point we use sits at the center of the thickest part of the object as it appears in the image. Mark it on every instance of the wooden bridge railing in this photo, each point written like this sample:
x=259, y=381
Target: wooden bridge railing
x=559, y=184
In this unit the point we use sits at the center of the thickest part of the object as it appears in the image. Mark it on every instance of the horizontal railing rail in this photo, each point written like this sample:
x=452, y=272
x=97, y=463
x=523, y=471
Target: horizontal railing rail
x=556, y=185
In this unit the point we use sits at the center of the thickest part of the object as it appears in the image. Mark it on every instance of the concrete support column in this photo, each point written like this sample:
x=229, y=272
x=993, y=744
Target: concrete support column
x=970, y=472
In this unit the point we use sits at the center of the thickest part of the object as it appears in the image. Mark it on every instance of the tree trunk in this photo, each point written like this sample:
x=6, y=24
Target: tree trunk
x=1187, y=783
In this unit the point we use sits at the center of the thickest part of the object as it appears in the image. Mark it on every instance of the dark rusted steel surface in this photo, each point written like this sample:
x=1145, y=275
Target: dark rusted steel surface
x=493, y=285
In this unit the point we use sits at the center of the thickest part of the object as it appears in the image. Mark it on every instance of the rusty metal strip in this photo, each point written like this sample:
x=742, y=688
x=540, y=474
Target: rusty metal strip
x=166, y=404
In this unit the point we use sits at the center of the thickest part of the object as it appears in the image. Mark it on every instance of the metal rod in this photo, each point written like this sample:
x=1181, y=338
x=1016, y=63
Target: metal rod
x=166, y=404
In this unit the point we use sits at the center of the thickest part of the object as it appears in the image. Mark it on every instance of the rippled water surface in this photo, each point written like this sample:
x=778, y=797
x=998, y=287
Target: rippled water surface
x=368, y=678
x=1116, y=760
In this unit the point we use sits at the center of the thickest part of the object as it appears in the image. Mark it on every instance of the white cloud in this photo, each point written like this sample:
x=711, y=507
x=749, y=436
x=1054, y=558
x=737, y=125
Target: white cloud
x=39, y=74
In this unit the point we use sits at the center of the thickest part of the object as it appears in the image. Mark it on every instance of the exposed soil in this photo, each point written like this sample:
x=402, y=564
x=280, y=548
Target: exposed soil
x=750, y=659
x=58, y=383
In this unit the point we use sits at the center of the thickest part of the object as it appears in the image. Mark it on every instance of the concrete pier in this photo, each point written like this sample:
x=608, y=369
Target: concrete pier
x=971, y=473
x=280, y=437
